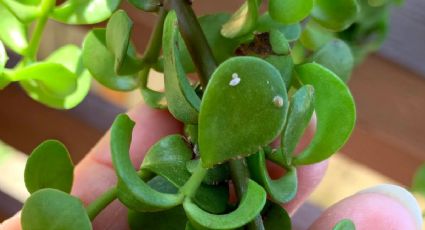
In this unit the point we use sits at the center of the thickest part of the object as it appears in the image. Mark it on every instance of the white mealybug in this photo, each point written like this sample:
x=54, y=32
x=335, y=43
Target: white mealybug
x=235, y=80
x=278, y=101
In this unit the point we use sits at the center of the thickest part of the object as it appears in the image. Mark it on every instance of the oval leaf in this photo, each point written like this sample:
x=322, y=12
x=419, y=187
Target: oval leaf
x=100, y=62
x=132, y=191
x=290, y=11
x=84, y=12
x=315, y=36
x=24, y=12
x=52, y=209
x=12, y=32
x=146, y=5
x=242, y=21
x=250, y=206
x=335, y=112
x=344, y=224
x=279, y=42
x=49, y=166
x=243, y=108
x=336, y=15
x=182, y=100
x=281, y=190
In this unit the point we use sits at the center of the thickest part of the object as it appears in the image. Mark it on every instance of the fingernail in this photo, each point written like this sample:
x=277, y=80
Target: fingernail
x=401, y=195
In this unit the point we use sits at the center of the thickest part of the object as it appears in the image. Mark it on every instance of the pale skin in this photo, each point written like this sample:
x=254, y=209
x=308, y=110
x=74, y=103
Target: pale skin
x=95, y=174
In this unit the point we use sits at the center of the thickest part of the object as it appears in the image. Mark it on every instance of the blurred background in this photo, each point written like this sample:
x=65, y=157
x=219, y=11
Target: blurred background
x=387, y=146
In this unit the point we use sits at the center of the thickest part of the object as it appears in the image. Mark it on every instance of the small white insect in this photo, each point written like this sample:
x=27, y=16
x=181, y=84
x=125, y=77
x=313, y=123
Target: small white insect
x=235, y=80
x=278, y=101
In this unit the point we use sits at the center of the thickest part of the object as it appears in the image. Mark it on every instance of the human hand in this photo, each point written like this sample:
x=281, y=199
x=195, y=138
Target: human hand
x=386, y=207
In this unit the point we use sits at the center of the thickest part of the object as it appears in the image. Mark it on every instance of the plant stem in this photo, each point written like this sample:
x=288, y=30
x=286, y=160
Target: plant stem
x=155, y=42
x=31, y=52
x=101, y=202
x=240, y=177
x=195, y=40
x=189, y=189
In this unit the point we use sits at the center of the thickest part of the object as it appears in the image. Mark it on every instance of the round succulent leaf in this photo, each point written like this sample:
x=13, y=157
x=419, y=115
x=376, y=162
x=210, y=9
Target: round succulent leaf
x=243, y=108
x=281, y=190
x=84, y=12
x=276, y=217
x=335, y=15
x=249, y=207
x=25, y=13
x=344, y=224
x=183, y=102
x=3, y=57
x=315, y=36
x=12, y=32
x=335, y=112
x=146, y=5
x=174, y=218
x=242, y=21
x=301, y=109
x=290, y=11
x=285, y=65
x=100, y=62
x=266, y=23
x=336, y=56
x=133, y=191
x=51, y=209
x=279, y=42
x=49, y=166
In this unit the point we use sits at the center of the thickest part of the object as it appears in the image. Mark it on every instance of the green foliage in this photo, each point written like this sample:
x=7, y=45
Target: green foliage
x=3, y=58
x=172, y=219
x=242, y=21
x=418, y=182
x=344, y=224
x=12, y=32
x=276, y=217
x=335, y=15
x=294, y=12
x=49, y=166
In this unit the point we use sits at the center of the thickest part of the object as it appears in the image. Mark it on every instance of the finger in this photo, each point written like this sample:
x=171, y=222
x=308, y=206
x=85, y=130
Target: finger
x=384, y=207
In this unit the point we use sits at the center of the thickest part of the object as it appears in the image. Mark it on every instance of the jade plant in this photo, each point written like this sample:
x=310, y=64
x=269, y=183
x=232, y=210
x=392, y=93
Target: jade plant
x=258, y=76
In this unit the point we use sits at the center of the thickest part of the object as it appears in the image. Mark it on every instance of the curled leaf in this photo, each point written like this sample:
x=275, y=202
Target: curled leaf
x=276, y=217
x=335, y=15
x=12, y=32
x=242, y=21
x=25, y=13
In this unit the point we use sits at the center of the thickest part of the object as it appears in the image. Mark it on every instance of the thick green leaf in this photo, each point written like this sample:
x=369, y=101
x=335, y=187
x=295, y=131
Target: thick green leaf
x=276, y=217
x=12, y=32
x=70, y=57
x=250, y=206
x=242, y=21
x=344, y=224
x=25, y=13
x=279, y=42
x=315, y=36
x=300, y=111
x=182, y=100
x=281, y=190
x=290, y=11
x=243, y=108
x=100, y=62
x=285, y=65
x=336, y=15
x=214, y=176
x=51, y=209
x=336, y=56
x=84, y=12
x=49, y=166
x=266, y=23
x=3, y=57
x=172, y=219
x=418, y=183
x=146, y=5
x=335, y=112
x=132, y=191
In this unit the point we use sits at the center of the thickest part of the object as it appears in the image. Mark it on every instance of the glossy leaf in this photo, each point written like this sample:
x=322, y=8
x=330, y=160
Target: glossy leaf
x=100, y=62
x=290, y=11
x=276, y=217
x=279, y=42
x=3, y=57
x=300, y=111
x=174, y=218
x=243, y=108
x=49, y=166
x=249, y=207
x=242, y=21
x=336, y=56
x=12, y=32
x=285, y=65
x=344, y=224
x=151, y=97
x=146, y=5
x=418, y=183
x=51, y=209
x=315, y=36
x=70, y=57
x=84, y=12
x=335, y=112
x=132, y=191
x=266, y=23
x=25, y=13
x=183, y=103
x=336, y=15
x=281, y=190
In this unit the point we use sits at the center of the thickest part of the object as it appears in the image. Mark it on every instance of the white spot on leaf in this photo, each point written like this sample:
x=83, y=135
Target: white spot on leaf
x=278, y=101
x=235, y=80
